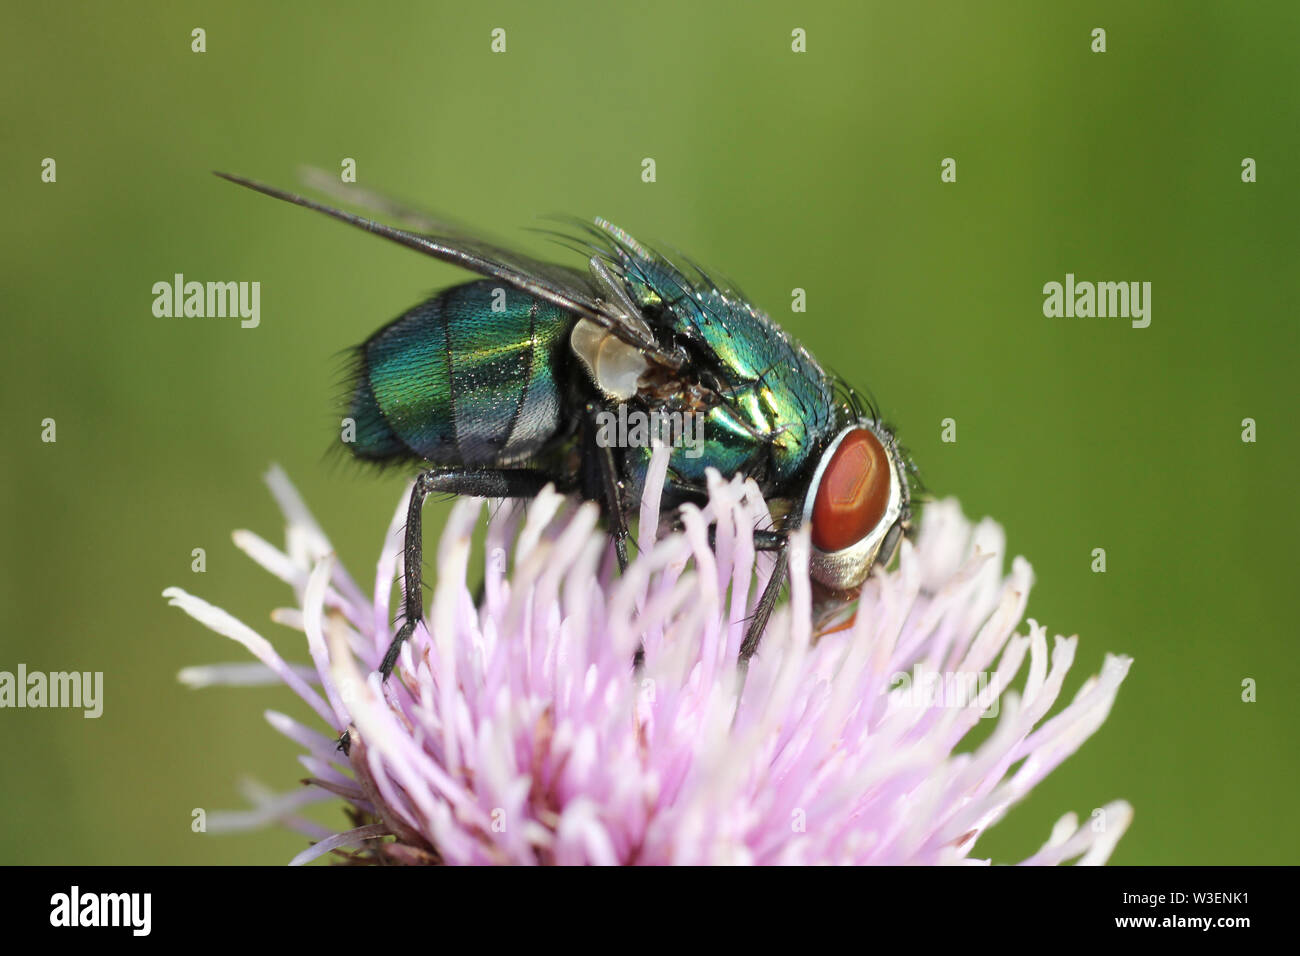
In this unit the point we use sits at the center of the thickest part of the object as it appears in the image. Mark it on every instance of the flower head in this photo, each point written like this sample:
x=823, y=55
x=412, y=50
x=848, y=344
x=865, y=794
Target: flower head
x=516, y=729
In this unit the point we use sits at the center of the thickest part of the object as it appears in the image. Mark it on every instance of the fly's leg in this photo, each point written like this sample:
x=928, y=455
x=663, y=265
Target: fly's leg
x=476, y=482
x=772, y=541
x=765, y=541
x=611, y=489
x=479, y=483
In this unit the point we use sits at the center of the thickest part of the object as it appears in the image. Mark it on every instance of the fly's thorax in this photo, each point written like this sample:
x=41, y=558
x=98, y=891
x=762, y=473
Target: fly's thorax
x=856, y=505
x=757, y=435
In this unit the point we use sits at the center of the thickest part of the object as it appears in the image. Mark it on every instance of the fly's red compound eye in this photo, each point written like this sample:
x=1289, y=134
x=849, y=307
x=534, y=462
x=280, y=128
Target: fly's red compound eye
x=853, y=493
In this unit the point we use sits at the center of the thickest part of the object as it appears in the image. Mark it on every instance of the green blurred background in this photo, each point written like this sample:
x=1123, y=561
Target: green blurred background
x=817, y=170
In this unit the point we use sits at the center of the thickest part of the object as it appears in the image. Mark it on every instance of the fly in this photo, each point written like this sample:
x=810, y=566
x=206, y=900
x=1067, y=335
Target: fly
x=496, y=387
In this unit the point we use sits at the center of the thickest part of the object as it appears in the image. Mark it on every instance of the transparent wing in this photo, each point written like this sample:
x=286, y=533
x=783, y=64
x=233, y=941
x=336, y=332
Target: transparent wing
x=596, y=298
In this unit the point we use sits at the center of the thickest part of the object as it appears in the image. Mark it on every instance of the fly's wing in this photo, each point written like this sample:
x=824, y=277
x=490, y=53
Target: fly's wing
x=388, y=207
x=565, y=287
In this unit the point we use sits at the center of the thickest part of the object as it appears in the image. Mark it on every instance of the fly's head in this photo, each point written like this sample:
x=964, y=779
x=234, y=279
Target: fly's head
x=857, y=506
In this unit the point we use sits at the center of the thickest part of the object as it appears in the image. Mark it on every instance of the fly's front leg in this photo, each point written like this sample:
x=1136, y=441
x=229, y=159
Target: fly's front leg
x=765, y=541
x=770, y=541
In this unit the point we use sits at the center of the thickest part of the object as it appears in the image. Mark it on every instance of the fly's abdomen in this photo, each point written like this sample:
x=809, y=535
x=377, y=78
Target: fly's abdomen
x=467, y=377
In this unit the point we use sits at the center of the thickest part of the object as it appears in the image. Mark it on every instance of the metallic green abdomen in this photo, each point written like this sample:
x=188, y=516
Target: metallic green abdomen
x=465, y=378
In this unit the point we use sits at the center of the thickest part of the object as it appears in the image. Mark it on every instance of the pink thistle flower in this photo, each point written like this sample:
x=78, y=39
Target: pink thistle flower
x=516, y=731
